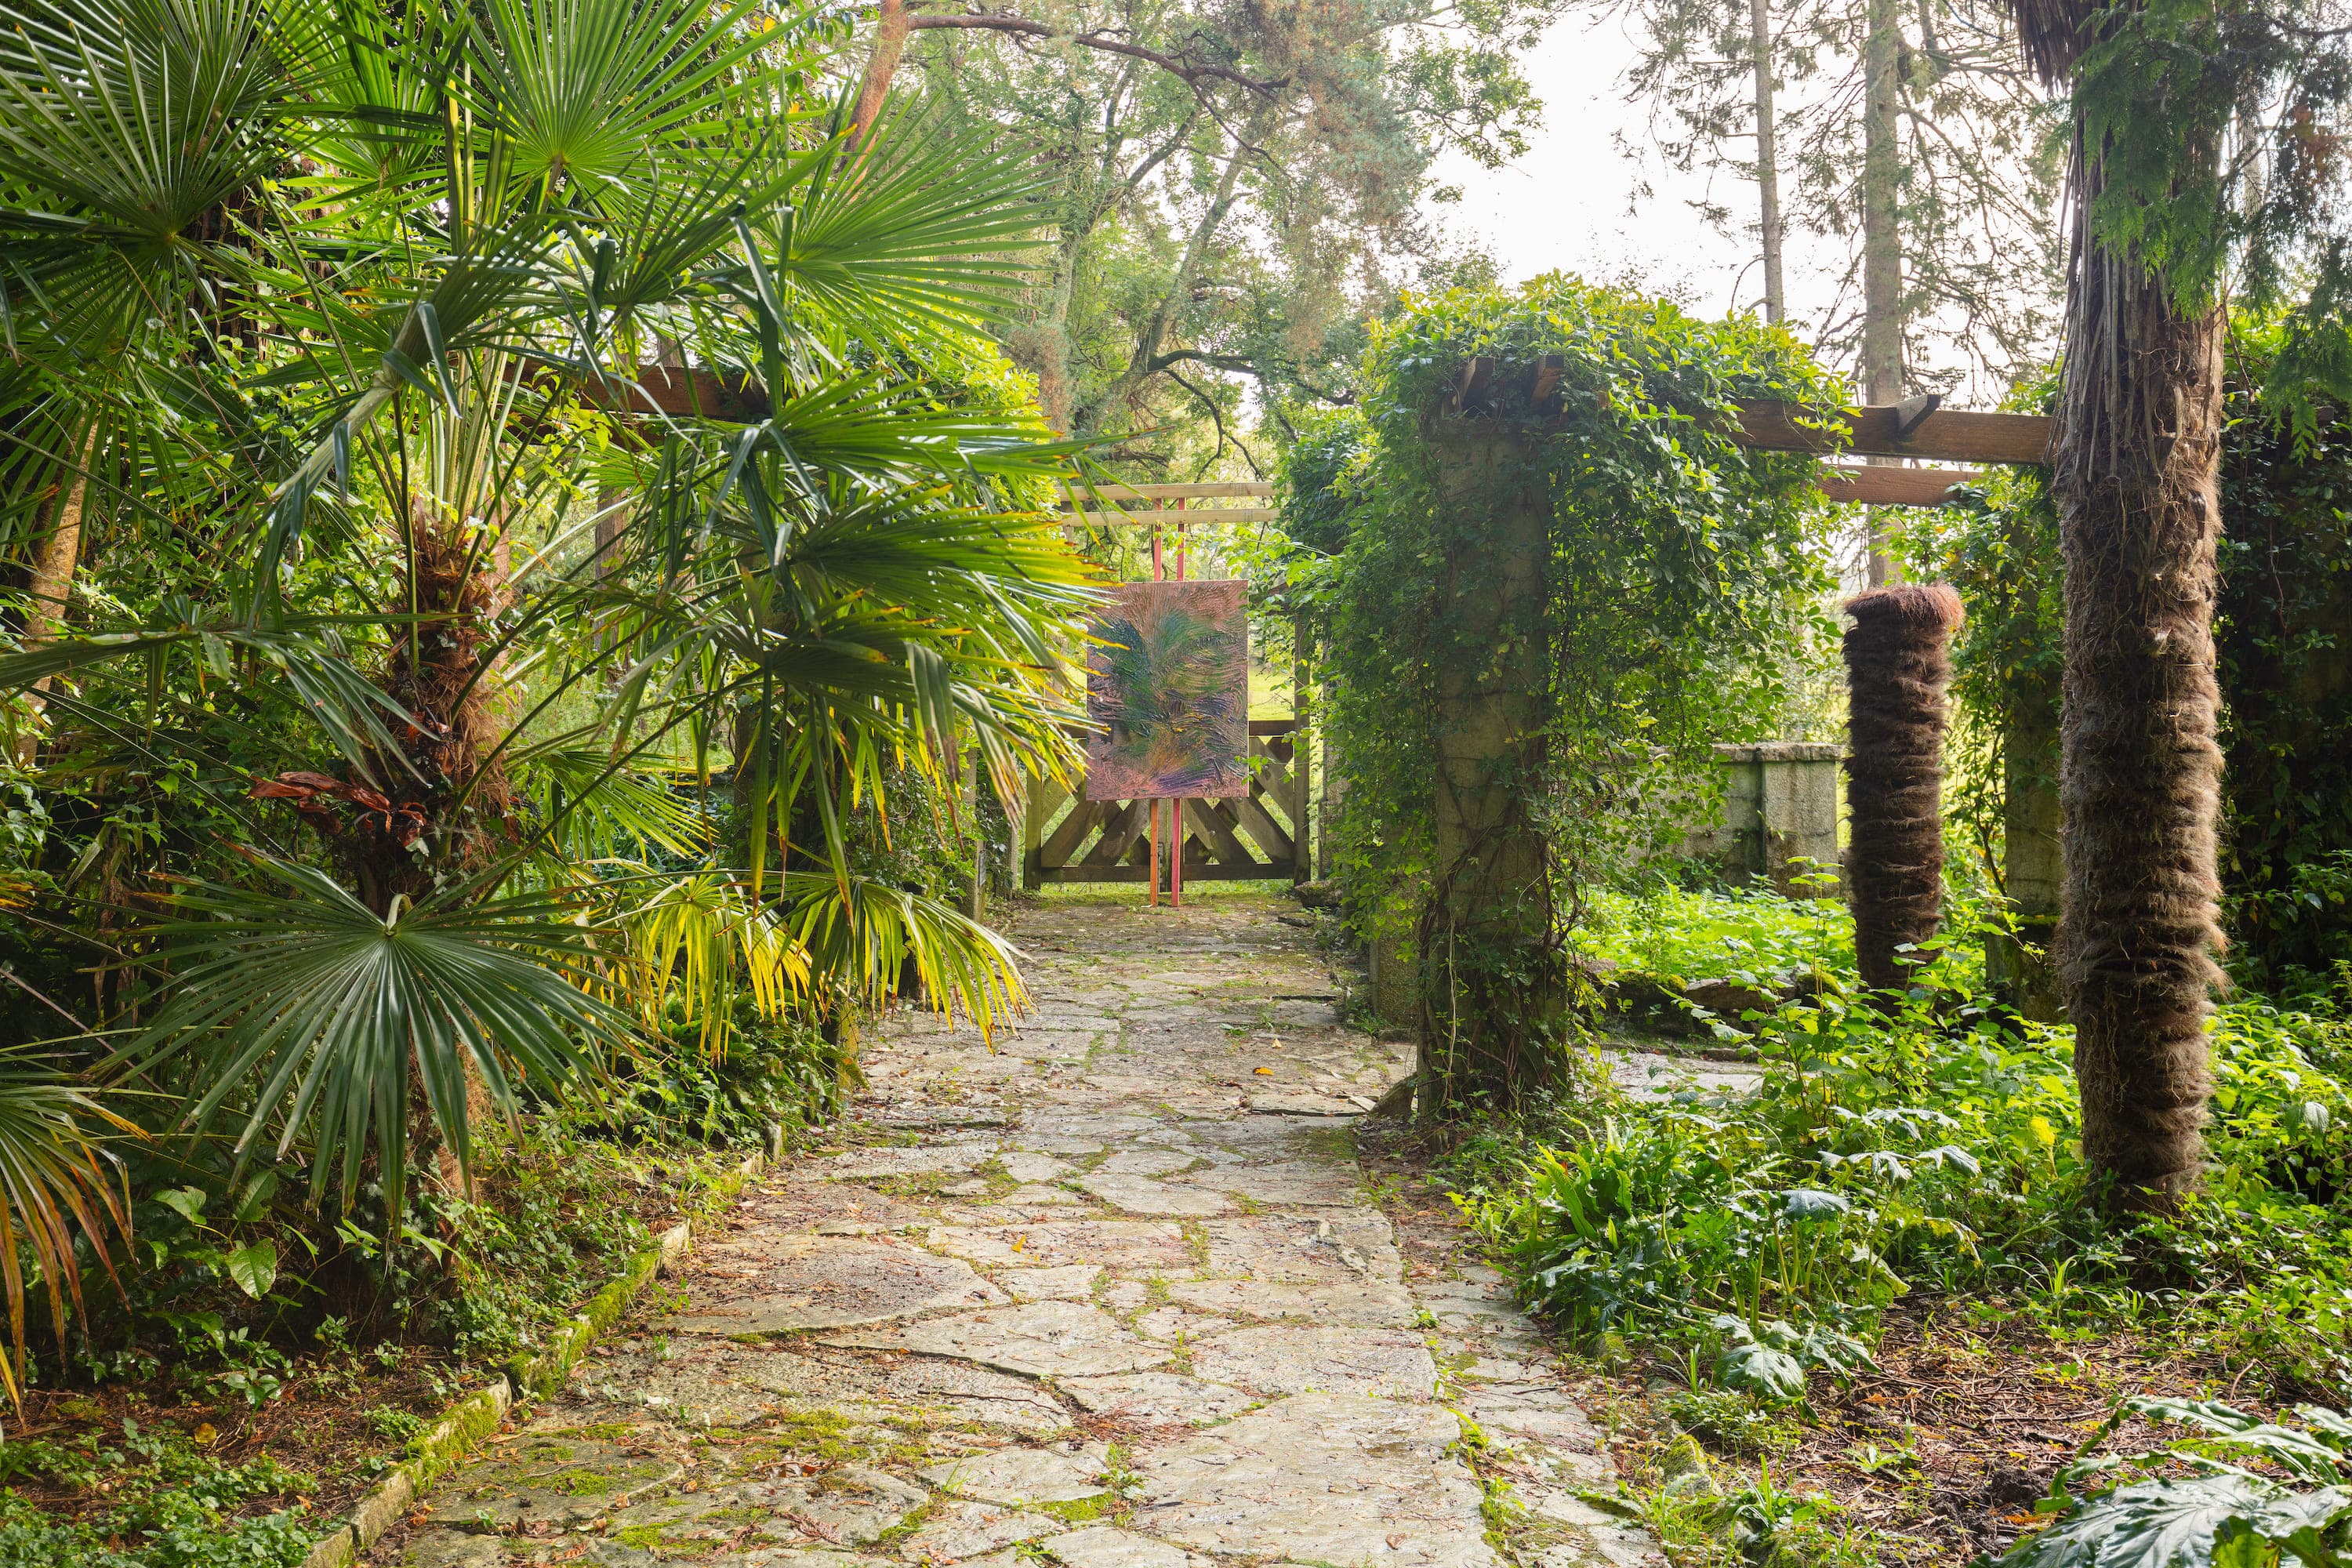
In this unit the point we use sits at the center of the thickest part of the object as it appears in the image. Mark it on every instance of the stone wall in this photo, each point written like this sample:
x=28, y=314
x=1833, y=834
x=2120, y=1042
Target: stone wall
x=1780, y=815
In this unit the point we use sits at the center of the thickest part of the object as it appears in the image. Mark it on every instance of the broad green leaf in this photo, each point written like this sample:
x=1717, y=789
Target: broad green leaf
x=2205, y=1522
x=1811, y=1203
x=1770, y=1373
x=253, y=1267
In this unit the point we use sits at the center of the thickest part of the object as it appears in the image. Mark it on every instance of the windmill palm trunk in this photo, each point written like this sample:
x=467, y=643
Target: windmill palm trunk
x=2135, y=461
x=2140, y=775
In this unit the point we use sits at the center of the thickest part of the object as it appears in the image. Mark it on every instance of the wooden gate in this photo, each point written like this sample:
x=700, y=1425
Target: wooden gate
x=1262, y=835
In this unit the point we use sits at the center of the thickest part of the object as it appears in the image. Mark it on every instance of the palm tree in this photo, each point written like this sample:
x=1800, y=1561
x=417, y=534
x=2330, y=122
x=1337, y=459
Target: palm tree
x=2137, y=484
x=471, y=253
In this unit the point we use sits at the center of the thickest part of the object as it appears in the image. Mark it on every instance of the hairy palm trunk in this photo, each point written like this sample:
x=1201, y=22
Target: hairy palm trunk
x=448, y=790
x=2136, y=457
x=1899, y=663
x=440, y=673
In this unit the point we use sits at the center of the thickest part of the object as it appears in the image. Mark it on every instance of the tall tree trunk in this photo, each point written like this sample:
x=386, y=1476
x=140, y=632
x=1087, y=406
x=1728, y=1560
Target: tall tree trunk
x=2136, y=479
x=1055, y=398
x=1768, y=157
x=52, y=587
x=890, y=29
x=1164, y=316
x=1881, y=239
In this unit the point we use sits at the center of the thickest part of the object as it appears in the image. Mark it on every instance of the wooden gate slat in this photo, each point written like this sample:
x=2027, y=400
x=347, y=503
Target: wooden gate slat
x=1243, y=838
x=1126, y=822
x=1084, y=817
x=1260, y=826
x=1227, y=850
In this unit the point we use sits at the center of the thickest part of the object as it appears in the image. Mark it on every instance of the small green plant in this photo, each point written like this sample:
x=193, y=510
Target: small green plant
x=33, y=1460
x=394, y=1424
x=1733, y=1422
x=1872, y=1461
x=167, y=1505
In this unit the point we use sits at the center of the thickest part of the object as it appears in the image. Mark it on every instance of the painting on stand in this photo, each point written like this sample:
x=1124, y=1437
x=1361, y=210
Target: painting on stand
x=1169, y=681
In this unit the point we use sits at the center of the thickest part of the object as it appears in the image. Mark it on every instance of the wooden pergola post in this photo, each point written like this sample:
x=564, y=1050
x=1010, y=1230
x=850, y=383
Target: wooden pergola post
x=1302, y=751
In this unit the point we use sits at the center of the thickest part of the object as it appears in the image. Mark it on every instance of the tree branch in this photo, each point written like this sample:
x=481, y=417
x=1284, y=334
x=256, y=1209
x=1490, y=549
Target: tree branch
x=1251, y=367
x=1192, y=74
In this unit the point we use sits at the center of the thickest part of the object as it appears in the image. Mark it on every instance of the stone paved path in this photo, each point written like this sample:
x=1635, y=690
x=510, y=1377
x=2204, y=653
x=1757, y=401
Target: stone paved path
x=1112, y=1296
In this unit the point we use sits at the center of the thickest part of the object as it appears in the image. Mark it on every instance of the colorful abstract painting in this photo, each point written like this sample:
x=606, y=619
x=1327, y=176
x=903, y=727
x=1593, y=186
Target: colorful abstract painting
x=1169, y=685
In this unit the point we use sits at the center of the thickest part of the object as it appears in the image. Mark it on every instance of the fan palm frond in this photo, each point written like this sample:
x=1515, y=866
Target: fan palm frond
x=702, y=940
x=862, y=934
x=331, y=1023
x=56, y=1180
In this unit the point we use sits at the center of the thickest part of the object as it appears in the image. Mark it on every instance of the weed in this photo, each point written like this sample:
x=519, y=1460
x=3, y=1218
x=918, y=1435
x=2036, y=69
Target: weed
x=1733, y=1422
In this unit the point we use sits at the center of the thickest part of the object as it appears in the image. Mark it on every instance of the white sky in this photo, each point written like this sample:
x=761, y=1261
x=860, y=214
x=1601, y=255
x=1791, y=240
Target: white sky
x=1573, y=202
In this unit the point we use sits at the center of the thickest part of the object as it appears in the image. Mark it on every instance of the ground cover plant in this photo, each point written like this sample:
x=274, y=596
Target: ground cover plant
x=1901, y=1197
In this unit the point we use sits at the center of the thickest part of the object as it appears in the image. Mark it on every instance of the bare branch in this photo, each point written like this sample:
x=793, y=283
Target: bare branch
x=1191, y=73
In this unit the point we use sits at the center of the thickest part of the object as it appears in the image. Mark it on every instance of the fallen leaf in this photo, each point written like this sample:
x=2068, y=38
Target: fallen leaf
x=1265, y=1072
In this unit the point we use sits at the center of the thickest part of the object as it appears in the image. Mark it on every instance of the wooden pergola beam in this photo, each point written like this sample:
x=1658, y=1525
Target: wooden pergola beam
x=1893, y=486
x=681, y=393
x=1219, y=490
x=1952, y=436
x=1147, y=517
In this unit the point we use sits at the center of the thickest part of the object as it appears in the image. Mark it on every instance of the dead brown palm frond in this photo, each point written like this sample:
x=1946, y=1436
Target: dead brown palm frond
x=54, y=1180
x=2054, y=34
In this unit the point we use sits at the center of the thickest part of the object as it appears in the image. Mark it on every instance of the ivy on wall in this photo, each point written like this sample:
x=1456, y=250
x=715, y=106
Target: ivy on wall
x=1679, y=564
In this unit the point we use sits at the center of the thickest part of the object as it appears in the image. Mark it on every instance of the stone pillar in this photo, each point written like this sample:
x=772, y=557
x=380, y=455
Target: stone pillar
x=2019, y=967
x=1780, y=815
x=1492, y=982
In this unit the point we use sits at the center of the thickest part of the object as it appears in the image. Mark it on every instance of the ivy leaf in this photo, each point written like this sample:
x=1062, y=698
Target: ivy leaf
x=253, y=1267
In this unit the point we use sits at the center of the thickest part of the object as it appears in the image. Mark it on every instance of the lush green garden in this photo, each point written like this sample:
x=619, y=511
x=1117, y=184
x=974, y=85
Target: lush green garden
x=534, y=568
x=1753, y=1248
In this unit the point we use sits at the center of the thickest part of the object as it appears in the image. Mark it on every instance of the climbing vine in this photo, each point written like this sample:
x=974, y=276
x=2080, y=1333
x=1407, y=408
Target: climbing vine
x=1679, y=567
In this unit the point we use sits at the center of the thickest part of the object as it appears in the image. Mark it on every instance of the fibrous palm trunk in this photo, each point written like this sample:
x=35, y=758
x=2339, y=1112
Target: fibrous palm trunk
x=2135, y=474
x=1898, y=664
x=2137, y=481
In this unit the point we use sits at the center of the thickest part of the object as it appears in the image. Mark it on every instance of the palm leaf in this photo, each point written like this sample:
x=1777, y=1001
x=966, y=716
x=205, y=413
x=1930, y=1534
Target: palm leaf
x=328, y=1020
x=55, y=1181
x=861, y=935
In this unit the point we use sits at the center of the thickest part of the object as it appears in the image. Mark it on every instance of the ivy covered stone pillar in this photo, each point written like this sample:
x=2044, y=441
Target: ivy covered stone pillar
x=1492, y=969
